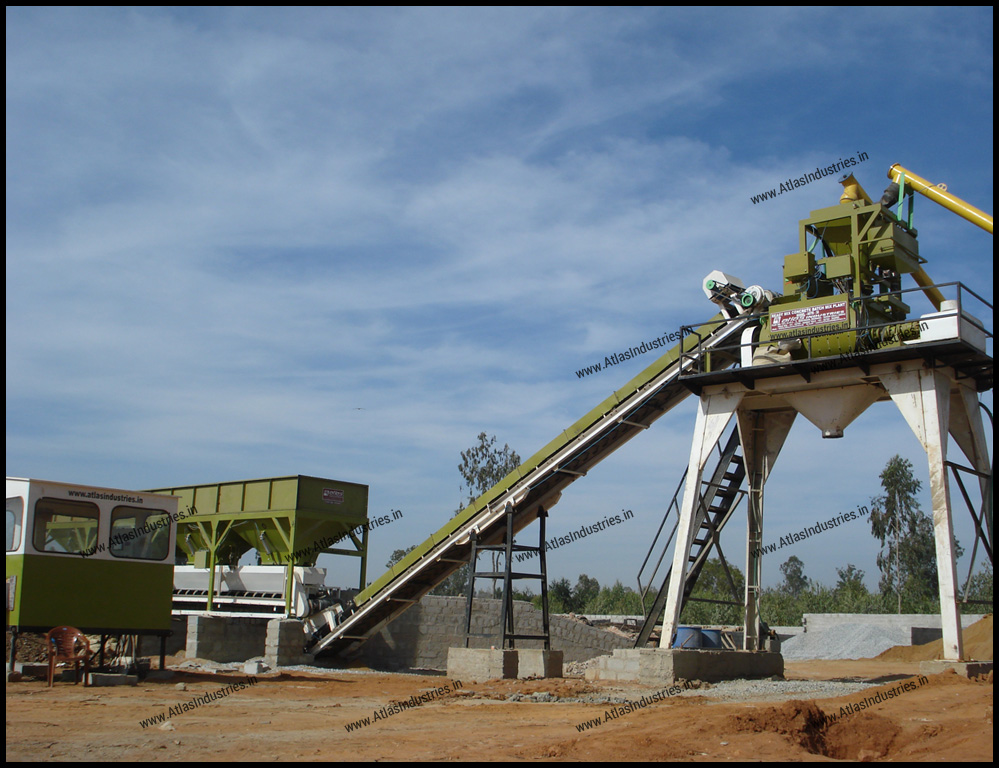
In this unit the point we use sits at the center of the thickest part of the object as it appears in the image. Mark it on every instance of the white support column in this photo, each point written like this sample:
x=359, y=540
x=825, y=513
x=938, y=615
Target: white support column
x=713, y=415
x=923, y=397
x=762, y=434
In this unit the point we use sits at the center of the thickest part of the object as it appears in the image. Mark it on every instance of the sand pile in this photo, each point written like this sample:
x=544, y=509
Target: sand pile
x=977, y=646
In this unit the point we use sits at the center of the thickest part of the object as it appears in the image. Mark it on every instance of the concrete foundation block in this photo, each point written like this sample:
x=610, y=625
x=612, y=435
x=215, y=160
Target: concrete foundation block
x=38, y=671
x=285, y=643
x=539, y=663
x=477, y=665
x=963, y=668
x=665, y=666
x=103, y=680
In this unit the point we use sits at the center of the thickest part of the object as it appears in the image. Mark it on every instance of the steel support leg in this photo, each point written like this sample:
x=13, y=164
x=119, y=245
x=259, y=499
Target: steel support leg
x=763, y=434
x=968, y=430
x=714, y=413
x=923, y=397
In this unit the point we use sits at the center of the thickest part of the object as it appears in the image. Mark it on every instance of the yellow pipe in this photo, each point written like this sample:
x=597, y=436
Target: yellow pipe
x=942, y=197
x=852, y=191
x=923, y=281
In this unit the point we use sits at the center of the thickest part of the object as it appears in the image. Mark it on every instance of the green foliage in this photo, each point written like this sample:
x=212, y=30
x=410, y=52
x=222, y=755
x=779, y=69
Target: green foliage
x=560, y=598
x=795, y=581
x=714, y=584
x=907, y=560
x=617, y=600
x=527, y=595
x=455, y=585
x=980, y=586
x=482, y=466
x=851, y=579
x=588, y=597
x=713, y=581
x=397, y=555
x=586, y=591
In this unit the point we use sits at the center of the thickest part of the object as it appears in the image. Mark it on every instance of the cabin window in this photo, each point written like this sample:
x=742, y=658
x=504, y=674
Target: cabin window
x=15, y=514
x=68, y=527
x=141, y=534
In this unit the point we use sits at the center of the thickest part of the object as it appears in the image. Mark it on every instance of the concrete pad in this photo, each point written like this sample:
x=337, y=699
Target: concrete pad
x=538, y=663
x=105, y=680
x=477, y=665
x=665, y=666
x=963, y=668
x=31, y=669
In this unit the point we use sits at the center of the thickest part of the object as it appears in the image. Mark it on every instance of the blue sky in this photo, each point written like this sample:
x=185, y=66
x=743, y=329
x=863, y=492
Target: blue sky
x=342, y=242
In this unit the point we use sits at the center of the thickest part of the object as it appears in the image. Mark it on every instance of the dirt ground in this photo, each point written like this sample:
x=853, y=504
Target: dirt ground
x=304, y=716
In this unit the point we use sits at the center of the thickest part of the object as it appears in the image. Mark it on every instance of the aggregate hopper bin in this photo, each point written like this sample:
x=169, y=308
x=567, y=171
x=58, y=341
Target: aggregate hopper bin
x=289, y=521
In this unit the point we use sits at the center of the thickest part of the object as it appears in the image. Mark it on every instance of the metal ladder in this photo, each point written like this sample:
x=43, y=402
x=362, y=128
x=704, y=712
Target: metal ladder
x=720, y=494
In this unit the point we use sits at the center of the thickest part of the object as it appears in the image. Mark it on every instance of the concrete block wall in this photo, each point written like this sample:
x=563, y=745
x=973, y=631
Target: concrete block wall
x=225, y=639
x=285, y=642
x=421, y=636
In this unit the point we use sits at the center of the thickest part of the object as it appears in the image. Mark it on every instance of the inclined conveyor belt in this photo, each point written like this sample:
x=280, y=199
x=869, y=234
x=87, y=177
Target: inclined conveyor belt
x=537, y=483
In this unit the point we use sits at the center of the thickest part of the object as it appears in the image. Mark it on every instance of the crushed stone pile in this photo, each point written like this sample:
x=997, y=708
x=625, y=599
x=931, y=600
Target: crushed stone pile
x=848, y=641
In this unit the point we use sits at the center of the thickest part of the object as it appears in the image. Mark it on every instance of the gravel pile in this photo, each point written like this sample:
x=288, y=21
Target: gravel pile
x=780, y=690
x=848, y=641
x=578, y=668
x=729, y=690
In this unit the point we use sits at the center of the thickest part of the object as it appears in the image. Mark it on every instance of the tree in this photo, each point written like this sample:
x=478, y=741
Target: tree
x=482, y=466
x=397, y=555
x=559, y=597
x=585, y=591
x=712, y=581
x=980, y=585
x=455, y=585
x=851, y=579
x=713, y=584
x=618, y=600
x=795, y=581
x=908, y=558
x=893, y=517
